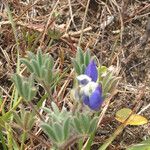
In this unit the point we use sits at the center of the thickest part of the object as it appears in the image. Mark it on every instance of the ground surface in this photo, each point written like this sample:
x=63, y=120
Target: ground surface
x=115, y=31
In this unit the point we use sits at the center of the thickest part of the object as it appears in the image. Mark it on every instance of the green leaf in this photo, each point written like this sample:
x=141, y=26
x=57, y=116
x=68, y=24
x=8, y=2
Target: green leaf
x=17, y=118
x=83, y=68
x=51, y=63
x=58, y=132
x=93, y=125
x=49, y=76
x=47, y=63
x=26, y=89
x=66, y=128
x=43, y=73
x=18, y=83
x=2, y=139
x=103, y=69
x=47, y=110
x=76, y=66
x=32, y=93
x=49, y=131
x=87, y=57
x=39, y=58
x=85, y=120
x=106, y=80
x=80, y=56
x=35, y=67
x=55, y=108
x=28, y=64
x=77, y=125
x=31, y=55
x=110, y=85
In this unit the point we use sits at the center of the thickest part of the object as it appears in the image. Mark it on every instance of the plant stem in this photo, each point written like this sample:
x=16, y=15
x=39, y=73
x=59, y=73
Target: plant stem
x=23, y=139
x=37, y=113
x=80, y=144
x=6, y=115
x=9, y=137
x=2, y=140
x=48, y=90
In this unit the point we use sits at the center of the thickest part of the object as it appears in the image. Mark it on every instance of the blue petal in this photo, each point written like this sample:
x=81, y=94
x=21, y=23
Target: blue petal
x=91, y=71
x=86, y=100
x=96, y=99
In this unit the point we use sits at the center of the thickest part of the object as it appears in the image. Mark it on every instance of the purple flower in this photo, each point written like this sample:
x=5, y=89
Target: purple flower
x=92, y=95
x=91, y=71
x=90, y=91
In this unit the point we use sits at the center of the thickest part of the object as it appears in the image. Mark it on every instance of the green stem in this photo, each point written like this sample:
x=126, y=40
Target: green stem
x=23, y=139
x=89, y=141
x=80, y=144
x=9, y=137
x=6, y=115
x=2, y=140
x=36, y=111
x=48, y=90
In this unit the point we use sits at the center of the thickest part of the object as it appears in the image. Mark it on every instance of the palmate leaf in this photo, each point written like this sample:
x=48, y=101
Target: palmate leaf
x=81, y=61
x=42, y=67
x=24, y=119
x=84, y=124
x=57, y=115
x=24, y=86
x=110, y=85
x=59, y=124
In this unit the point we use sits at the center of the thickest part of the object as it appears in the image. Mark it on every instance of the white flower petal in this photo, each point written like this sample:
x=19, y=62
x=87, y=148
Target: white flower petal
x=83, y=79
x=89, y=88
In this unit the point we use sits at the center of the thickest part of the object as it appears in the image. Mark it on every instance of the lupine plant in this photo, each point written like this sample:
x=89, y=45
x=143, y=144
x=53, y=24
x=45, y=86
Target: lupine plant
x=64, y=126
